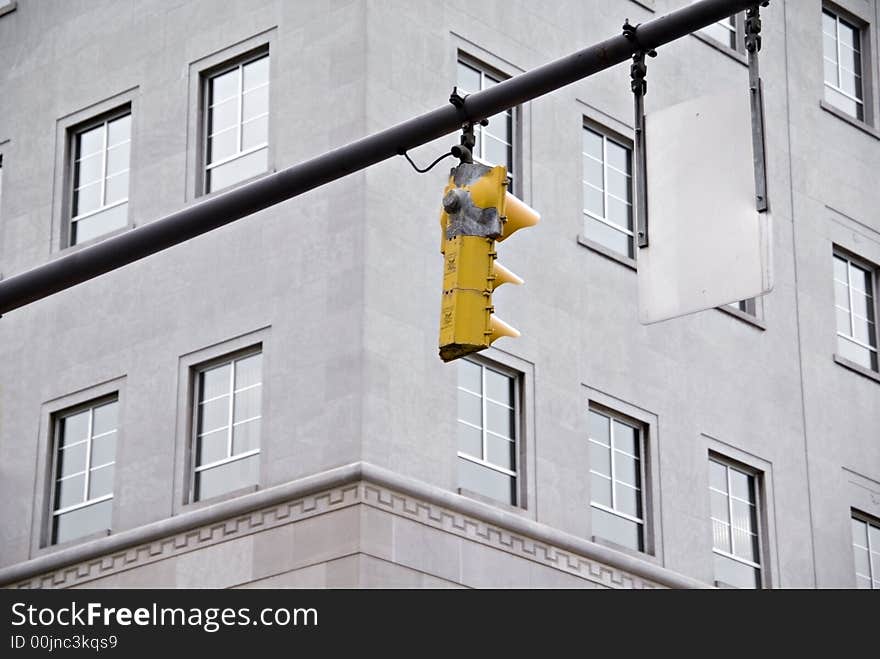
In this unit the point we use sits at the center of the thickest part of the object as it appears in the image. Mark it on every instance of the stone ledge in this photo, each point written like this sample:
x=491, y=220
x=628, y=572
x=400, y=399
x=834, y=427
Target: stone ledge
x=357, y=483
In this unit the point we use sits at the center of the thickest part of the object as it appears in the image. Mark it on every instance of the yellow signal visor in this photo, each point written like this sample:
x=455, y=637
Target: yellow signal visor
x=519, y=216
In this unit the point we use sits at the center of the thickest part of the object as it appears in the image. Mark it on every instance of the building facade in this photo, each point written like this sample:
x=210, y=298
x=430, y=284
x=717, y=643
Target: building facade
x=263, y=406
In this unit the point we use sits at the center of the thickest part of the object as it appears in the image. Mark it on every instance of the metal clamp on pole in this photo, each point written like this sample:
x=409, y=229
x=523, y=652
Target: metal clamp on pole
x=756, y=97
x=639, y=84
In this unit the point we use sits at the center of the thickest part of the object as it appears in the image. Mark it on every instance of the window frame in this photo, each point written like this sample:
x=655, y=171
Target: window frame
x=206, y=76
x=873, y=272
x=199, y=69
x=55, y=422
x=607, y=134
x=644, y=476
x=869, y=521
x=862, y=29
x=74, y=132
x=737, y=29
x=518, y=398
x=759, y=487
x=195, y=372
x=514, y=118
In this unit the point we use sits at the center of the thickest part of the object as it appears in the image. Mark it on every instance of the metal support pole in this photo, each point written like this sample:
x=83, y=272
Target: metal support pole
x=756, y=97
x=638, y=73
x=191, y=221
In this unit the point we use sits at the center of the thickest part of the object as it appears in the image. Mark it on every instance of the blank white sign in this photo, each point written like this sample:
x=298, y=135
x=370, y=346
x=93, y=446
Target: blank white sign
x=708, y=246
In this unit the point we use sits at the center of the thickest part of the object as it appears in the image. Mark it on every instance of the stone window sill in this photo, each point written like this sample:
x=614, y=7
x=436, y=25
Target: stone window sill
x=852, y=121
x=607, y=253
x=861, y=370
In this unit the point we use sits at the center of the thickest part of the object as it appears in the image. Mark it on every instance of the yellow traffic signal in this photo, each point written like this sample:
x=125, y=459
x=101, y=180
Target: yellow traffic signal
x=477, y=211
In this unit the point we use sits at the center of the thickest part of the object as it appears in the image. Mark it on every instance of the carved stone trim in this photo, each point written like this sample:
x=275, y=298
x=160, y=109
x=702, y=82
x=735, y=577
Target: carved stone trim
x=497, y=537
x=359, y=483
x=235, y=527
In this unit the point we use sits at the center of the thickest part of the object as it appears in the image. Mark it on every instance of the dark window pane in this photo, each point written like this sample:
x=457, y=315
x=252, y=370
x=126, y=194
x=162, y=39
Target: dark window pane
x=246, y=437
x=237, y=170
x=487, y=482
x=720, y=535
x=468, y=79
x=256, y=73
x=212, y=447
x=600, y=490
x=741, y=485
x=69, y=491
x=629, y=500
x=720, y=506
x=87, y=199
x=224, y=86
x=227, y=477
x=248, y=371
x=593, y=144
x=213, y=414
x=214, y=382
x=618, y=157
x=469, y=376
x=104, y=449
x=499, y=387
x=617, y=529
x=593, y=172
x=116, y=188
x=626, y=438
x=605, y=235
x=105, y=419
x=72, y=459
x=499, y=419
x=626, y=469
x=717, y=476
x=470, y=440
x=89, y=142
x=860, y=533
x=600, y=459
x=470, y=408
x=89, y=170
x=501, y=452
x=101, y=481
x=83, y=521
x=734, y=573
x=594, y=200
x=247, y=403
x=119, y=130
x=100, y=223
x=599, y=428
x=117, y=158
x=254, y=133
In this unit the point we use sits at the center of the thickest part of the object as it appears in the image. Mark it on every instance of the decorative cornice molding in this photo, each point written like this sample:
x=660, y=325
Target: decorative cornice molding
x=359, y=483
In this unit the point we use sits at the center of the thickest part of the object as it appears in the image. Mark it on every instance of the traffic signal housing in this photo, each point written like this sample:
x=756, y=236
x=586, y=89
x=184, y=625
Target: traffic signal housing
x=478, y=211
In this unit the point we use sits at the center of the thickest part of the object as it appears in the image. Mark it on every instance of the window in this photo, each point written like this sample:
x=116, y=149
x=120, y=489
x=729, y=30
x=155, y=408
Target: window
x=85, y=458
x=854, y=306
x=616, y=478
x=487, y=431
x=495, y=141
x=730, y=31
x=237, y=123
x=227, y=428
x=101, y=154
x=607, y=184
x=866, y=549
x=841, y=44
x=735, y=543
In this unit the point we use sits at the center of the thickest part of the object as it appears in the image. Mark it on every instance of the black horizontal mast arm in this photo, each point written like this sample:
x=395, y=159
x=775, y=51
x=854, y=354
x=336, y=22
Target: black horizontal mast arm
x=196, y=219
